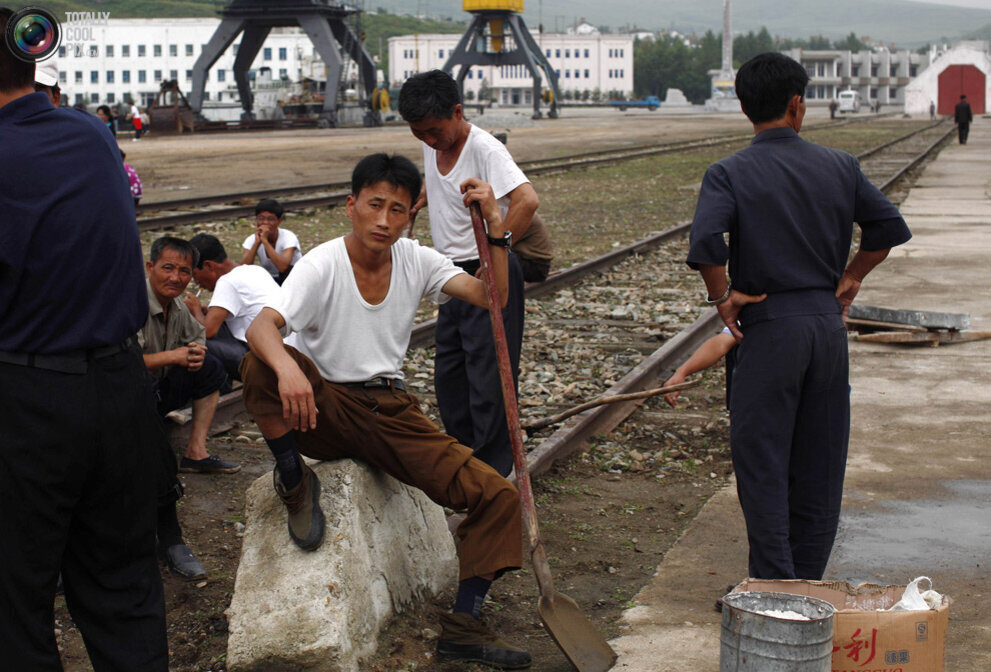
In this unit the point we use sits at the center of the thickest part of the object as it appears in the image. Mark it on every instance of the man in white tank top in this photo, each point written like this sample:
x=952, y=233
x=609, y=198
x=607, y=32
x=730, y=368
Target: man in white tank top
x=352, y=301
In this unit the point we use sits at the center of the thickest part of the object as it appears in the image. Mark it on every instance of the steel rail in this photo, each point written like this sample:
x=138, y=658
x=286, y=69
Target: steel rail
x=340, y=189
x=599, y=420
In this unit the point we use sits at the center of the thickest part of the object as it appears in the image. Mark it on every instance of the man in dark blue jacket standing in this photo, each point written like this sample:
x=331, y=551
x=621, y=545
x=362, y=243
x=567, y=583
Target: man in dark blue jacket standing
x=789, y=208
x=76, y=490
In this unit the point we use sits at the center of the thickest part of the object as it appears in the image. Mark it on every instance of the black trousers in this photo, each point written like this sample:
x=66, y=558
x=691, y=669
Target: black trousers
x=228, y=350
x=963, y=130
x=789, y=431
x=77, y=494
x=466, y=372
x=180, y=386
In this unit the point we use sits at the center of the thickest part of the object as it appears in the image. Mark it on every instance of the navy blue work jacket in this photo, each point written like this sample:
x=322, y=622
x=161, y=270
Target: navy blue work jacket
x=71, y=272
x=788, y=206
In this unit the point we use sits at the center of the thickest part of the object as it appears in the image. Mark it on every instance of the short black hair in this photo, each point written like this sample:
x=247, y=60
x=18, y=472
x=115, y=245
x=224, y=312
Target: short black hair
x=209, y=248
x=269, y=205
x=766, y=83
x=397, y=170
x=428, y=94
x=176, y=244
x=962, y=96
x=14, y=73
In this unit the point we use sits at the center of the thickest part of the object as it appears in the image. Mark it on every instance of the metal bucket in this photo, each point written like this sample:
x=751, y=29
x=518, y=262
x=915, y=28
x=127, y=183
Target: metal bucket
x=756, y=642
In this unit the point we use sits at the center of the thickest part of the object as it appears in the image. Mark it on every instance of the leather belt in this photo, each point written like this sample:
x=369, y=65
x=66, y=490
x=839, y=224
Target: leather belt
x=75, y=361
x=380, y=383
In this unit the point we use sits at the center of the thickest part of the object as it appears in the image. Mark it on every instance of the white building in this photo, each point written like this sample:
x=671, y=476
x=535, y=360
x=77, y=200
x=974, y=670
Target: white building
x=130, y=58
x=879, y=75
x=963, y=68
x=583, y=62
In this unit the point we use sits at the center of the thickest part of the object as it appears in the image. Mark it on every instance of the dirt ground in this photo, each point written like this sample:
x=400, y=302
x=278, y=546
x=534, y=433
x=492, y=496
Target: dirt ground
x=605, y=528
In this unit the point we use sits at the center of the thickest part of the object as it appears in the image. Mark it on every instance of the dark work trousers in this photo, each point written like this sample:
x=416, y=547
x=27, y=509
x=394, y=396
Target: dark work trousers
x=789, y=430
x=77, y=494
x=228, y=350
x=180, y=385
x=466, y=371
x=963, y=130
x=386, y=429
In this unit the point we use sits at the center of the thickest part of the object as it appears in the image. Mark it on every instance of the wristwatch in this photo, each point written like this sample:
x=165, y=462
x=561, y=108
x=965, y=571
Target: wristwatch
x=505, y=241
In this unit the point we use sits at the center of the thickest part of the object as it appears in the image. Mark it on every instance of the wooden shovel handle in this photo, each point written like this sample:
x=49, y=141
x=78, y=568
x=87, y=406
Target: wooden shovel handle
x=538, y=556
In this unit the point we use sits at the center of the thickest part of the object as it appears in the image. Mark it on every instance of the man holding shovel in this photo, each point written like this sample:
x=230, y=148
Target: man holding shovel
x=466, y=375
x=789, y=208
x=352, y=301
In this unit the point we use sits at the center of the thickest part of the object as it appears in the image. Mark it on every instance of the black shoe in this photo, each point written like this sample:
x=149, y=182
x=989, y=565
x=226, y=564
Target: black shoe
x=181, y=562
x=466, y=639
x=211, y=464
x=306, y=521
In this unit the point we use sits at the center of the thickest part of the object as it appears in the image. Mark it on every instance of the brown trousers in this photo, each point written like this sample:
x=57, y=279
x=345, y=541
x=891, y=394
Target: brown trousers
x=386, y=429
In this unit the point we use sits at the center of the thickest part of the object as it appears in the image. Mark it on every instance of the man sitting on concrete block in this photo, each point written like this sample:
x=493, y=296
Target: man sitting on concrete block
x=352, y=301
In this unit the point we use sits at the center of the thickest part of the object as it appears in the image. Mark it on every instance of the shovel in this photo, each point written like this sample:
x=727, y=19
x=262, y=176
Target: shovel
x=583, y=645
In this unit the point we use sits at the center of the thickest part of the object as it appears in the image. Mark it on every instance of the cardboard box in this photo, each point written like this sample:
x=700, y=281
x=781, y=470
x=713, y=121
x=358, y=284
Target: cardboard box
x=866, y=639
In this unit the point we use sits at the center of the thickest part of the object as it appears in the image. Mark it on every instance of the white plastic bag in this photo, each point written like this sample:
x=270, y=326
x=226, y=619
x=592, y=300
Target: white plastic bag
x=914, y=600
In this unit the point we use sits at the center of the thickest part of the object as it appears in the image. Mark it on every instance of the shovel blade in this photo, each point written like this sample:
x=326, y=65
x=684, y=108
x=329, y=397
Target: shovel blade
x=583, y=645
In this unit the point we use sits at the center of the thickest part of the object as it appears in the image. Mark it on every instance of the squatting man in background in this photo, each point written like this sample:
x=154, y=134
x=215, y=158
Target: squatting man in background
x=352, y=302
x=789, y=207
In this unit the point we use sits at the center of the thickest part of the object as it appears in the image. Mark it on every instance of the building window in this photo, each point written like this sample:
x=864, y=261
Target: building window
x=236, y=47
x=94, y=51
x=586, y=55
x=94, y=98
x=548, y=53
x=110, y=76
x=220, y=96
x=141, y=77
x=577, y=74
x=125, y=50
x=893, y=70
x=469, y=74
x=440, y=53
x=622, y=52
x=267, y=53
x=157, y=75
x=283, y=73
x=558, y=73
x=61, y=52
x=110, y=51
x=586, y=74
x=79, y=77
x=189, y=75
x=557, y=53
x=221, y=75
x=567, y=53
x=855, y=70
x=189, y=49
x=873, y=92
x=173, y=50
x=913, y=70
x=94, y=77
x=283, y=55
x=206, y=95
x=873, y=71
x=173, y=74
x=125, y=76
x=79, y=99
x=610, y=53
x=141, y=51
x=156, y=50
x=111, y=98
x=61, y=77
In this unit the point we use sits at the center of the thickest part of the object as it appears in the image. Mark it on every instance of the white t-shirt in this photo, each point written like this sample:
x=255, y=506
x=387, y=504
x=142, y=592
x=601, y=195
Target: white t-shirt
x=243, y=292
x=285, y=240
x=483, y=157
x=349, y=339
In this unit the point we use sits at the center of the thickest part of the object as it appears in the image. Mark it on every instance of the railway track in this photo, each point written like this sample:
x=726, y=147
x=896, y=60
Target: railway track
x=630, y=336
x=178, y=212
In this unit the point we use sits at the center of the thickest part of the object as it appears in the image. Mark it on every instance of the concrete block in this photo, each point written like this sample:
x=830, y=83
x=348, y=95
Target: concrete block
x=387, y=547
x=922, y=318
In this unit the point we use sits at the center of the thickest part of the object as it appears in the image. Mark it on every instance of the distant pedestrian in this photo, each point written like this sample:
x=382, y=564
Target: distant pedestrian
x=134, y=116
x=963, y=116
x=932, y=111
x=833, y=106
x=107, y=117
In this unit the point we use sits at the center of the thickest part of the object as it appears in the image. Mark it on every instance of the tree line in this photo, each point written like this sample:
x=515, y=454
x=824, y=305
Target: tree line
x=666, y=62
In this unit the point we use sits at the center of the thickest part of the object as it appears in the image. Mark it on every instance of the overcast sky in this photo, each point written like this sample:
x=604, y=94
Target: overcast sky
x=978, y=4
